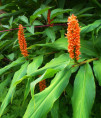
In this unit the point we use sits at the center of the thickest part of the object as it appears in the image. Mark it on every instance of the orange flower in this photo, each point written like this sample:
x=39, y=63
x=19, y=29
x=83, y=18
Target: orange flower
x=42, y=85
x=73, y=35
x=48, y=18
x=22, y=41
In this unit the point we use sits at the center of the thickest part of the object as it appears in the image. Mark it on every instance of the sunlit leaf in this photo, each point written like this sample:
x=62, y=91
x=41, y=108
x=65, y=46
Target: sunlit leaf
x=84, y=92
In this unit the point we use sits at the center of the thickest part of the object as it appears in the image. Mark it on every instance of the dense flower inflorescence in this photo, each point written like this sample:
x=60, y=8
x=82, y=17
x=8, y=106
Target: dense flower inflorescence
x=22, y=41
x=73, y=35
x=48, y=18
x=42, y=85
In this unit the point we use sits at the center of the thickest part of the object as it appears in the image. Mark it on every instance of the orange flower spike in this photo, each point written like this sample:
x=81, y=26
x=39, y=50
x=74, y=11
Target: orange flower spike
x=22, y=41
x=48, y=18
x=73, y=35
x=42, y=85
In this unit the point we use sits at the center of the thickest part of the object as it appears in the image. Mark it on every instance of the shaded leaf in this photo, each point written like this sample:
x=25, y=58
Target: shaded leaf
x=90, y=27
x=14, y=63
x=20, y=73
x=97, y=70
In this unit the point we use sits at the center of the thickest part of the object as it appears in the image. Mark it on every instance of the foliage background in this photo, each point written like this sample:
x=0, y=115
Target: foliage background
x=71, y=91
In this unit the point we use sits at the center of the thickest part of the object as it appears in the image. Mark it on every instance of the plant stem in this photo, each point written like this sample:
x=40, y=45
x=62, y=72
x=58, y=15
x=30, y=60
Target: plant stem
x=86, y=61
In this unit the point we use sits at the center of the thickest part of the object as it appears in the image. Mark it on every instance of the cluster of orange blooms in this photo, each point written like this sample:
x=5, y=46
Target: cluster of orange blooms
x=42, y=85
x=48, y=18
x=22, y=41
x=73, y=35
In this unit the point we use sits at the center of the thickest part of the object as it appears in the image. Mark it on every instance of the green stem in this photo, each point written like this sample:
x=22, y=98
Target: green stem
x=86, y=61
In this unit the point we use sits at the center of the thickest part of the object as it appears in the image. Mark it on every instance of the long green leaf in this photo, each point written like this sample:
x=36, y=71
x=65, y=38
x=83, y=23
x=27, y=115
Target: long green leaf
x=60, y=44
x=84, y=10
x=84, y=92
x=59, y=11
x=48, y=74
x=20, y=73
x=57, y=63
x=37, y=13
x=14, y=63
x=90, y=27
x=32, y=67
x=44, y=101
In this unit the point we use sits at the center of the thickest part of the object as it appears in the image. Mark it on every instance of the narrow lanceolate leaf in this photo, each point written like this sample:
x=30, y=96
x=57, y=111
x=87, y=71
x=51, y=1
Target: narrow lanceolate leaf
x=20, y=73
x=84, y=92
x=32, y=67
x=14, y=63
x=90, y=27
x=48, y=74
x=44, y=101
x=57, y=63
x=37, y=13
x=60, y=44
x=55, y=110
x=97, y=70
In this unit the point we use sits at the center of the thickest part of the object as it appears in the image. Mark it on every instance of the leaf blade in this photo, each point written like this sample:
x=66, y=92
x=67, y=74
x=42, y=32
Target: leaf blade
x=84, y=92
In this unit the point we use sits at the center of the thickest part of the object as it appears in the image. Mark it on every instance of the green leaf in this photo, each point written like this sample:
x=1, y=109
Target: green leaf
x=59, y=11
x=11, y=14
x=58, y=20
x=50, y=33
x=5, y=26
x=36, y=22
x=97, y=70
x=37, y=13
x=4, y=43
x=97, y=3
x=11, y=56
x=34, y=65
x=55, y=110
x=20, y=73
x=87, y=48
x=3, y=35
x=3, y=87
x=84, y=10
x=14, y=63
x=4, y=6
x=90, y=27
x=48, y=74
x=24, y=19
x=57, y=63
x=46, y=98
x=84, y=92
x=11, y=21
x=60, y=44
x=85, y=15
x=30, y=29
